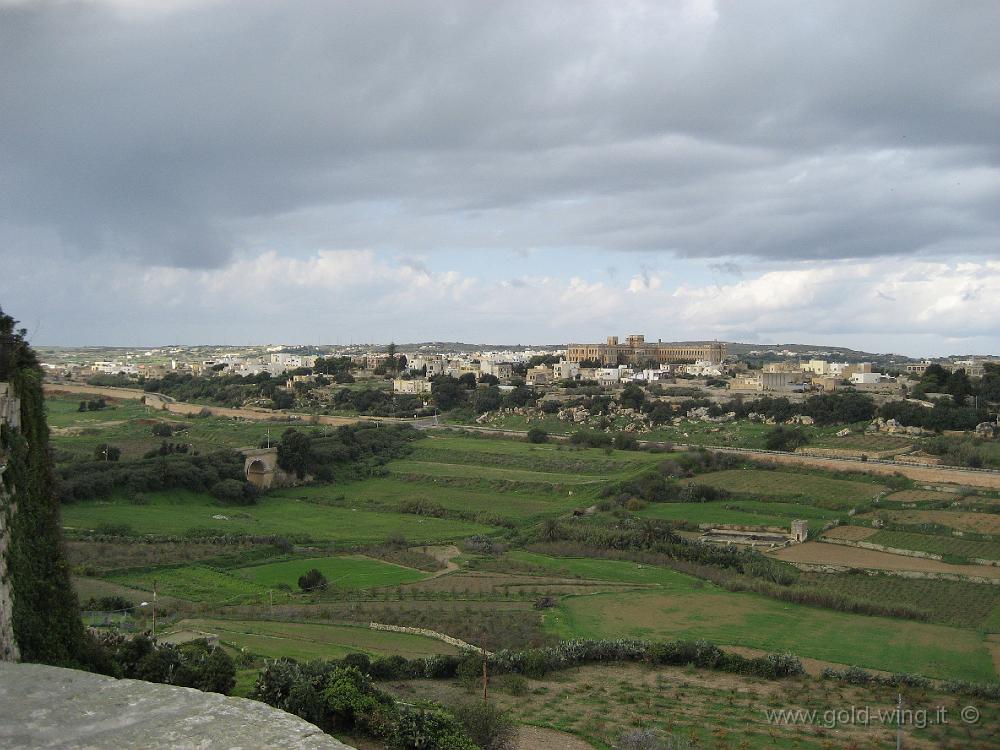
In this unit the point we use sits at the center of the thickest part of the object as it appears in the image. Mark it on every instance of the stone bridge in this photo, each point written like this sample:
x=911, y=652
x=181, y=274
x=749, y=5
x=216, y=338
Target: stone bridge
x=261, y=466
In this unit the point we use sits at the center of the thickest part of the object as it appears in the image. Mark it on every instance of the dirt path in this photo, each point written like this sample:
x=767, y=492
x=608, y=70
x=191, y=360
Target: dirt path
x=444, y=553
x=536, y=738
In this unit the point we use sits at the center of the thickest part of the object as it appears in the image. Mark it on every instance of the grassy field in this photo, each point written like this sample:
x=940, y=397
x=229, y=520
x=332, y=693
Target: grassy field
x=347, y=572
x=820, y=490
x=306, y=641
x=472, y=471
x=938, y=545
x=194, y=583
x=387, y=492
x=176, y=512
x=873, y=442
x=958, y=603
x=686, y=607
x=704, y=709
x=742, y=512
x=128, y=425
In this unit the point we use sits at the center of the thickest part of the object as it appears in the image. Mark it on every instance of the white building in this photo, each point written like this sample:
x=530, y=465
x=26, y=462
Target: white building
x=866, y=378
x=501, y=370
x=412, y=387
x=609, y=376
x=703, y=369
x=564, y=370
x=540, y=375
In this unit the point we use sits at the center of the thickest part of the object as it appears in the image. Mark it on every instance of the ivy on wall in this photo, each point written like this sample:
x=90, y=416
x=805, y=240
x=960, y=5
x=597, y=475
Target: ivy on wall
x=46, y=620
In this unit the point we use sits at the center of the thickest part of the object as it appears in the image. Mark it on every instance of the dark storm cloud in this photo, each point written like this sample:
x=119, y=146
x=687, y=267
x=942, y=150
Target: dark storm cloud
x=775, y=130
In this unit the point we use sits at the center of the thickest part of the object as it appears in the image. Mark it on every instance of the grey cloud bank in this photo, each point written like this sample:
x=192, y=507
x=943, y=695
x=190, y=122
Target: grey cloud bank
x=200, y=137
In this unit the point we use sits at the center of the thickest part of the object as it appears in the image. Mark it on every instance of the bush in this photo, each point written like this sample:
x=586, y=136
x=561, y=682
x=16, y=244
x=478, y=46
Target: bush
x=625, y=441
x=232, y=492
x=312, y=580
x=537, y=435
x=427, y=726
x=783, y=438
x=488, y=726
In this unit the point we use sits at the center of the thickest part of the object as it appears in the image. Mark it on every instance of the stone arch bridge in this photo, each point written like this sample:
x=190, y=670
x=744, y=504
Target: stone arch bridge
x=260, y=466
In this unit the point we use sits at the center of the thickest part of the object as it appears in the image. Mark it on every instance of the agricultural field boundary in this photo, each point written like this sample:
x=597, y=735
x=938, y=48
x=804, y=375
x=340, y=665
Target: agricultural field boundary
x=458, y=642
x=900, y=551
x=986, y=478
x=915, y=574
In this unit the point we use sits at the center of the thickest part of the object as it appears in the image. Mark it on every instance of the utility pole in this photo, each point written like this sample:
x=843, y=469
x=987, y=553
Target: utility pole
x=154, y=609
x=899, y=721
x=486, y=676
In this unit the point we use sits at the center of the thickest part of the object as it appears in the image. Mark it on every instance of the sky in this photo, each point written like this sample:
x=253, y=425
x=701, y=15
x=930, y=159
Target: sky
x=312, y=171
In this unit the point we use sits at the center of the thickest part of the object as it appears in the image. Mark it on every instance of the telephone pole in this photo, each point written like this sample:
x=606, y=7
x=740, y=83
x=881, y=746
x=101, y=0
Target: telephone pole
x=486, y=676
x=154, y=609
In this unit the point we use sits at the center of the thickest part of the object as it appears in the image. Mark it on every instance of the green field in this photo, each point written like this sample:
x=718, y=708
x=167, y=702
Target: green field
x=958, y=603
x=307, y=641
x=937, y=544
x=128, y=425
x=386, y=492
x=177, y=511
x=193, y=582
x=831, y=493
x=686, y=607
x=348, y=572
x=472, y=471
x=740, y=512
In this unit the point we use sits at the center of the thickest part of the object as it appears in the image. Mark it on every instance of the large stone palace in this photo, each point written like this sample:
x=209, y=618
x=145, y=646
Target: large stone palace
x=636, y=350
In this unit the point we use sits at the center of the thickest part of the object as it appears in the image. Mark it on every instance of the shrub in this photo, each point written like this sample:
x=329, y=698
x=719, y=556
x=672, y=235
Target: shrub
x=312, y=580
x=625, y=441
x=427, y=726
x=488, y=726
x=537, y=435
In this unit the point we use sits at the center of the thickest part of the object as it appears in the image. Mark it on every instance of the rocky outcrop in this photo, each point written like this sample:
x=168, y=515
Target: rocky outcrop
x=45, y=707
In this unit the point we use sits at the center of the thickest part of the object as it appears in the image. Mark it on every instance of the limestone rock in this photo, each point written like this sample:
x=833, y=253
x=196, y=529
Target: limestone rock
x=47, y=707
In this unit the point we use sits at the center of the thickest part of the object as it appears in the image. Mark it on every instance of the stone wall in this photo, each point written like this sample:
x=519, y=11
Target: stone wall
x=10, y=415
x=899, y=551
x=428, y=633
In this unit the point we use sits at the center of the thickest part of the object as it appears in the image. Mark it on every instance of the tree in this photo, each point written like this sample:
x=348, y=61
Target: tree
x=958, y=386
x=537, y=435
x=467, y=380
x=989, y=384
x=783, y=438
x=486, y=399
x=162, y=429
x=626, y=441
x=295, y=452
x=633, y=397
x=448, y=394
x=312, y=580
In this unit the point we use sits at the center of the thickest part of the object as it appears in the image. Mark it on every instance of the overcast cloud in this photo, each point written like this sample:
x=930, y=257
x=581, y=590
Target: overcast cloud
x=537, y=172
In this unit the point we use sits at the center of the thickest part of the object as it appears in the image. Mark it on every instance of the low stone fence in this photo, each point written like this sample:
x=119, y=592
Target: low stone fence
x=827, y=568
x=457, y=642
x=898, y=551
x=854, y=453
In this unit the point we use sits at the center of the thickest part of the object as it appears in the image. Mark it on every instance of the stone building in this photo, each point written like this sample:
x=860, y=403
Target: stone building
x=636, y=350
